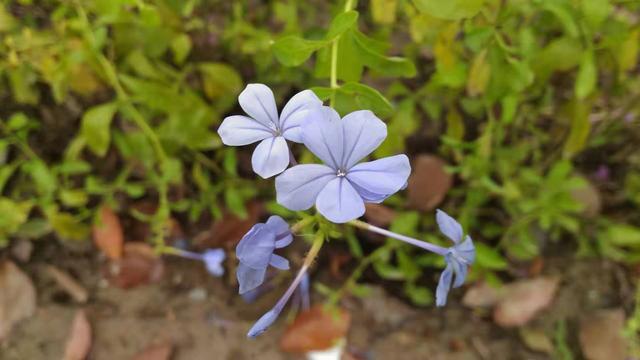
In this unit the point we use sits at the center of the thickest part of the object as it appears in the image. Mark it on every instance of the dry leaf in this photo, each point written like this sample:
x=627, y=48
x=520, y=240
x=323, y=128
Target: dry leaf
x=537, y=340
x=139, y=265
x=79, y=340
x=522, y=300
x=107, y=233
x=429, y=183
x=315, y=329
x=379, y=215
x=481, y=294
x=230, y=229
x=601, y=336
x=155, y=352
x=17, y=297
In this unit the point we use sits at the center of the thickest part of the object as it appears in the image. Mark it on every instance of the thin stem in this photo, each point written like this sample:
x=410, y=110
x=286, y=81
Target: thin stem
x=301, y=225
x=169, y=250
x=334, y=60
x=409, y=240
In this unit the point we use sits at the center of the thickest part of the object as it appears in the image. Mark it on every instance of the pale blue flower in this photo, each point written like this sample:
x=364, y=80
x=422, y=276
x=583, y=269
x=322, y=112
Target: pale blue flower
x=255, y=252
x=263, y=124
x=213, y=259
x=340, y=188
x=458, y=258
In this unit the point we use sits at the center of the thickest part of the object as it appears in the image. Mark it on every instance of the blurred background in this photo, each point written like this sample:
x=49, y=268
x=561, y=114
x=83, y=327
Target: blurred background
x=521, y=119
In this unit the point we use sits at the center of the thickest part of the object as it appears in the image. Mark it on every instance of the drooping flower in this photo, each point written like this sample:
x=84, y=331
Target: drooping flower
x=458, y=258
x=340, y=188
x=255, y=252
x=212, y=258
x=271, y=156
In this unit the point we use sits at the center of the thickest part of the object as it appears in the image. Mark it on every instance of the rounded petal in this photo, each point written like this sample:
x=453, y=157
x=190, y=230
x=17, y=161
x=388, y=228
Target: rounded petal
x=363, y=133
x=295, y=112
x=240, y=130
x=449, y=226
x=255, y=248
x=258, y=102
x=271, y=157
x=279, y=262
x=322, y=135
x=278, y=225
x=284, y=241
x=444, y=285
x=298, y=187
x=460, y=270
x=249, y=278
x=376, y=180
x=339, y=201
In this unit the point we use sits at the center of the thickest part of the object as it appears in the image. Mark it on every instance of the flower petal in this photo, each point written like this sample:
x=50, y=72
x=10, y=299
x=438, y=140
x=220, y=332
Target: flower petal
x=213, y=259
x=256, y=247
x=295, y=112
x=271, y=157
x=382, y=177
x=444, y=285
x=258, y=102
x=449, y=226
x=460, y=270
x=298, y=187
x=467, y=250
x=264, y=322
x=279, y=262
x=278, y=225
x=339, y=201
x=240, y=130
x=284, y=241
x=363, y=132
x=249, y=278
x=322, y=134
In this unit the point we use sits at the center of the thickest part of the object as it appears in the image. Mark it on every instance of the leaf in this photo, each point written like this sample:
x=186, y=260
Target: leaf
x=479, y=74
x=316, y=329
x=181, y=47
x=107, y=233
x=366, y=97
x=384, y=11
x=44, y=180
x=580, y=128
x=489, y=258
x=139, y=265
x=14, y=214
x=449, y=9
x=523, y=300
x=341, y=23
x=17, y=297
x=293, y=50
x=219, y=79
x=428, y=183
x=596, y=11
x=95, y=127
x=79, y=340
x=587, y=76
x=390, y=66
x=601, y=335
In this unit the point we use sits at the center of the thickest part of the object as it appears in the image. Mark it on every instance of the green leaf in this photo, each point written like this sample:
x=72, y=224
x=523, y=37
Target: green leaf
x=44, y=180
x=596, y=11
x=219, y=79
x=580, y=128
x=419, y=295
x=14, y=214
x=384, y=11
x=95, y=127
x=587, y=76
x=365, y=97
x=489, y=258
x=390, y=66
x=73, y=198
x=449, y=9
x=293, y=50
x=181, y=47
x=341, y=23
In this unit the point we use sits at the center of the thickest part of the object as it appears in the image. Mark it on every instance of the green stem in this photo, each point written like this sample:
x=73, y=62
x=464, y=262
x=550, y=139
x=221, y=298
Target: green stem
x=334, y=60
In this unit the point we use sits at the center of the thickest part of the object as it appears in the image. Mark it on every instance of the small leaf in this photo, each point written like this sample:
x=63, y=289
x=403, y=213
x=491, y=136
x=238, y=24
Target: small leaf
x=95, y=127
x=219, y=79
x=390, y=66
x=587, y=76
x=315, y=329
x=181, y=46
x=449, y=9
x=479, y=74
x=489, y=258
x=524, y=299
x=17, y=297
x=341, y=23
x=79, y=340
x=366, y=97
x=384, y=11
x=293, y=50
x=580, y=127
x=429, y=183
x=107, y=233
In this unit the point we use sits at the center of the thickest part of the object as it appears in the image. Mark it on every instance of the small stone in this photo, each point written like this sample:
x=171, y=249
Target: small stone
x=198, y=294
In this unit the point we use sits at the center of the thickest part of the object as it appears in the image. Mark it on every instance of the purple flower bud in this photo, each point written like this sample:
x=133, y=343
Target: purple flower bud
x=213, y=259
x=255, y=252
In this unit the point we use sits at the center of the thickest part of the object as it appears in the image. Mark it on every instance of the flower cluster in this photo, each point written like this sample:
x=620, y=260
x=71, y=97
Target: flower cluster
x=339, y=187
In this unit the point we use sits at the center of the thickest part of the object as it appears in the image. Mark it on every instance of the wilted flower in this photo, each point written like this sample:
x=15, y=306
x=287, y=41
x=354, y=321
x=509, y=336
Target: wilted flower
x=271, y=156
x=255, y=252
x=458, y=258
x=340, y=188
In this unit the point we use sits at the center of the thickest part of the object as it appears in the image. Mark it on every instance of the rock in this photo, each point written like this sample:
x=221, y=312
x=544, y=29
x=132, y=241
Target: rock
x=601, y=335
x=523, y=300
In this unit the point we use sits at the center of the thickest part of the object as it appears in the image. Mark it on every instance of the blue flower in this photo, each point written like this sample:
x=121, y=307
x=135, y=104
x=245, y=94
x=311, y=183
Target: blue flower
x=213, y=259
x=271, y=156
x=255, y=252
x=340, y=188
x=458, y=258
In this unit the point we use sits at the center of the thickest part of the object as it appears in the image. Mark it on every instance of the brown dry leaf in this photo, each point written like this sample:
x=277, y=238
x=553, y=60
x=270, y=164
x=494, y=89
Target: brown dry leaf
x=107, y=233
x=590, y=198
x=79, y=340
x=315, y=329
x=139, y=265
x=601, y=335
x=481, y=294
x=155, y=352
x=522, y=300
x=537, y=340
x=379, y=215
x=17, y=297
x=429, y=182
x=230, y=229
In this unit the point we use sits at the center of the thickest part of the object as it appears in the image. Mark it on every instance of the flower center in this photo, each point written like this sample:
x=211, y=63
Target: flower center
x=341, y=173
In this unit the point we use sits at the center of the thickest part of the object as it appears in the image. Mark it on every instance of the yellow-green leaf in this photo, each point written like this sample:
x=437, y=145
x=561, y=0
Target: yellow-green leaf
x=95, y=128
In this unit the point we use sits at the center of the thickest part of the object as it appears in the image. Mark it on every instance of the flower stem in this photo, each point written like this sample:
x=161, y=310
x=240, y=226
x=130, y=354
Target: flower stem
x=301, y=225
x=170, y=250
x=409, y=240
x=334, y=61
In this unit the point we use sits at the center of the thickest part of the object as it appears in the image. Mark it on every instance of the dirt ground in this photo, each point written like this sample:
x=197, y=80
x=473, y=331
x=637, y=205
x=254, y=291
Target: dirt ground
x=202, y=317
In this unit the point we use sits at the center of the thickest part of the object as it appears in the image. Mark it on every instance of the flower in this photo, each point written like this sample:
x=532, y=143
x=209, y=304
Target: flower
x=340, y=188
x=213, y=259
x=458, y=258
x=255, y=252
x=271, y=156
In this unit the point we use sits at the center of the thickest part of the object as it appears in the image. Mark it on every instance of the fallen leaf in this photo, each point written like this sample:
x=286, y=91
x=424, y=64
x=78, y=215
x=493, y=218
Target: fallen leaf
x=228, y=230
x=601, y=335
x=590, y=199
x=139, y=265
x=155, y=352
x=17, y=297
x=524, y=299
x=315, y=329
x=429, y=182
x=68, y=284
x=379, y=215
x=537, y=340
x=79, y=340
x=107, y=233
x=481, y=294
x=21, y=250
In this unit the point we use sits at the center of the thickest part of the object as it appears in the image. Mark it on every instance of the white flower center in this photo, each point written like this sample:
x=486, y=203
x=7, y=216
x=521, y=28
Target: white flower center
x=341, y=173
